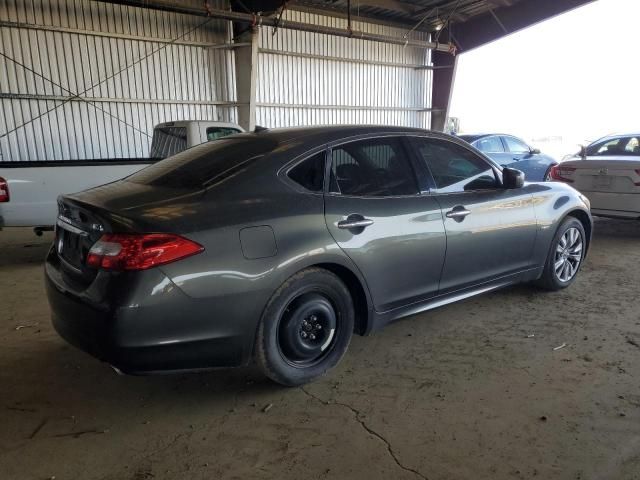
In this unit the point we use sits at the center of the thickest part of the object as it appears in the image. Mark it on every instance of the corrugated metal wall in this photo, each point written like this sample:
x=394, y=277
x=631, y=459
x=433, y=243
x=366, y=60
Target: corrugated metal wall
x=89, y=80
x=309, y=78
x=84, y=80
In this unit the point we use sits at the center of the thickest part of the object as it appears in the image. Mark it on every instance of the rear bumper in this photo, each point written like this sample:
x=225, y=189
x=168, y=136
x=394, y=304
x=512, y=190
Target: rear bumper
x=140, y=332
x=620, y=205
x=599, y=212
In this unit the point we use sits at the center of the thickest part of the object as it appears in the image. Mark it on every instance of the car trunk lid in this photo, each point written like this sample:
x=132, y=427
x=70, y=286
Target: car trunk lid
x=605, y=174
x=119, y=207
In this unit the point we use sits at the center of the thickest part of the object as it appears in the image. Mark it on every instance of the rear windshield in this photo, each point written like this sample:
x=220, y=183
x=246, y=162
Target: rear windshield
x=623, y=146
x=168, y=141
x=204, y=164
x=214, y=133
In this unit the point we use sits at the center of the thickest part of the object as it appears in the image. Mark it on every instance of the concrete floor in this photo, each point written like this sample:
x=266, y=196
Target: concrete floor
x=470, y=391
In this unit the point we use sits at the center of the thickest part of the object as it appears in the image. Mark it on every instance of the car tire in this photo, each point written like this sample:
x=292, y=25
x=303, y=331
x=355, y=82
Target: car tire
x=305, y=328
x=557, y=275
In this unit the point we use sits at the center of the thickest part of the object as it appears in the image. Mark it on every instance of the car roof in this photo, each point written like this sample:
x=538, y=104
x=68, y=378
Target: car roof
x=329, y=133
x=185, y=123
x=472, y=137
x=614, y=136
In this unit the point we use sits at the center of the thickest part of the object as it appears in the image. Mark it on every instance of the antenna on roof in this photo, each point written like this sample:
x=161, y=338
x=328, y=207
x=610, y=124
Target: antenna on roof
x=258, y=129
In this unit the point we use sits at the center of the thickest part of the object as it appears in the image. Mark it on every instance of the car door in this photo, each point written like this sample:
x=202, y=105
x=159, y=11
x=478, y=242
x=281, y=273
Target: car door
x=490, y=230
x=516, y=147
x=534, y=164
x=377, y=215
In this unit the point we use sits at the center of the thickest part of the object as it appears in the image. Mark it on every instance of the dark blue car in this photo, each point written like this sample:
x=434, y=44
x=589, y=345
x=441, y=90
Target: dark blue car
x=507, y=150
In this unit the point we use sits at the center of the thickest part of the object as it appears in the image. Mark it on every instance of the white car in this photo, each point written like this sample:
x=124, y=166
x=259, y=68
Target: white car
x=607, y=172
x=29, y=190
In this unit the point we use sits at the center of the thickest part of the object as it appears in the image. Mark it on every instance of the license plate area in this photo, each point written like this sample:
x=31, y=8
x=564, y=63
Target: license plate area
x=602, y=181
x=69, y=247
x=70, y=243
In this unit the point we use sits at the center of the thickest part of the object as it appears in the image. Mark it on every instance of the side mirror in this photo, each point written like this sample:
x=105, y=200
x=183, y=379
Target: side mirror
x=535, y=151
x=512, y=178
x=583, y=152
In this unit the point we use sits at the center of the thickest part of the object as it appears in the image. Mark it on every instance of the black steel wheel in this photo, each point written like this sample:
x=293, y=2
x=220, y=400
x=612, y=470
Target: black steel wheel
x=305, y=328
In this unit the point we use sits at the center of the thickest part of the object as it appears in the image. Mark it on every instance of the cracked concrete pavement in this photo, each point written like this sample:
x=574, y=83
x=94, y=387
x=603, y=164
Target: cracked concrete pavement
x=472, y=390
x=369, y=430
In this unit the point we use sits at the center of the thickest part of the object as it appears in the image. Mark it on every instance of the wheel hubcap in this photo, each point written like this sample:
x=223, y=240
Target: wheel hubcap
x=307, y=329
x=568, y=254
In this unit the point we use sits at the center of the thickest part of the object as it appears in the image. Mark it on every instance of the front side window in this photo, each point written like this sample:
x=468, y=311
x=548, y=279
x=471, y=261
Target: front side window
x=214, y=133
x=516, y=146
x=376, y=167
x=309, y=173
x=454, y=168
x=490, y=145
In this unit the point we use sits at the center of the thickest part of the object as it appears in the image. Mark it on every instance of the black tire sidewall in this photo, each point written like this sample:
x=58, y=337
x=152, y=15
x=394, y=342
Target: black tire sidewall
x=267, y=350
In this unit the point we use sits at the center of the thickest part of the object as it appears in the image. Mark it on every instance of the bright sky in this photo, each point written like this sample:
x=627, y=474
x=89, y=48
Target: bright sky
x=576, y=75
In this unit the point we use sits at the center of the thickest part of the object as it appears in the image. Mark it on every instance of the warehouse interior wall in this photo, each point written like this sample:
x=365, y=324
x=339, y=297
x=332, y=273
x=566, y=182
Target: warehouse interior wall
x=89, y=80
x=309, y=78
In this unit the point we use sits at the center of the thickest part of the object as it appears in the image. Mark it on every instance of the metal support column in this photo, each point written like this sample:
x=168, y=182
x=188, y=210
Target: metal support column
x=444, y=76
x=246, y=78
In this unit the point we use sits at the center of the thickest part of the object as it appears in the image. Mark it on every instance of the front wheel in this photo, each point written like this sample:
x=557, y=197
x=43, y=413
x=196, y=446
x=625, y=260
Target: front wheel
x=565, y=255
x=305, y=328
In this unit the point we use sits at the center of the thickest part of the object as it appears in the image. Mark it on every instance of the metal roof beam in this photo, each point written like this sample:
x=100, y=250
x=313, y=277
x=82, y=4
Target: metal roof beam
x=391, y=5
x=481, y=29
x=508, y=18
x=258, y=21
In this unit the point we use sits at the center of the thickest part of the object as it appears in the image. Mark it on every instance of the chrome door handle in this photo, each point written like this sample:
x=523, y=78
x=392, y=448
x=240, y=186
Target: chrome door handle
x=348, y=224
x=457, y=213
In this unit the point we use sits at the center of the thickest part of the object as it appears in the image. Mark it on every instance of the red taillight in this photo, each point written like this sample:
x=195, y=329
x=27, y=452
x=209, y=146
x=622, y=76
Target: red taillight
x=121, y=251
x=4, y=190
x=561, y=174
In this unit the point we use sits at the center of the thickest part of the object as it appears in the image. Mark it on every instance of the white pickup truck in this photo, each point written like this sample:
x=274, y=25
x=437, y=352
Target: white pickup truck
x=29, y=190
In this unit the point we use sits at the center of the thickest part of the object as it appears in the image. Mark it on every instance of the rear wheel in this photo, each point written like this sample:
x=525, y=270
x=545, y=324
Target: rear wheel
x=306, y=327
x=565, y=256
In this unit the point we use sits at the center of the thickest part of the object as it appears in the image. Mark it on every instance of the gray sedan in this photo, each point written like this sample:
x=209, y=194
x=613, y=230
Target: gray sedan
x=277, y=246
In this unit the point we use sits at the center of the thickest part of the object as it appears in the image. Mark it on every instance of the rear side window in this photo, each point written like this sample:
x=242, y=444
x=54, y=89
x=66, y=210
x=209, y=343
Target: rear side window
x=454, y=168
x=206, y=163
x=309, y=173
x=376, y=167
x=490, y=145
x=168, y=141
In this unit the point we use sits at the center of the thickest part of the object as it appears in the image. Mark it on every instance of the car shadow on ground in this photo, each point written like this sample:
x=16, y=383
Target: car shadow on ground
x=54, y=372
x=20, y=247
x=614, y=228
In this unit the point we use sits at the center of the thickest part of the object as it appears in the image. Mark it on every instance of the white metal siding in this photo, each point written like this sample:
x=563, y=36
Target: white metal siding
x=364, y=82
x=84, y=80
x=87, y=79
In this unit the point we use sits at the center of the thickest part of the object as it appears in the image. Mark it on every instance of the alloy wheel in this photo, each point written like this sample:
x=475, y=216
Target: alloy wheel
x=568, y=254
